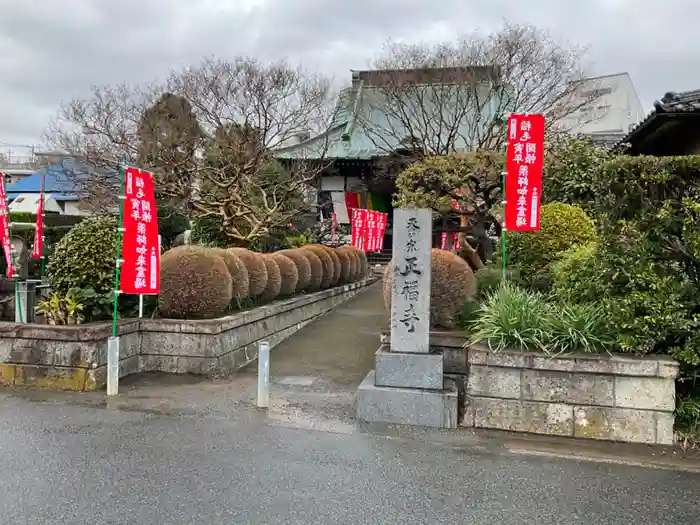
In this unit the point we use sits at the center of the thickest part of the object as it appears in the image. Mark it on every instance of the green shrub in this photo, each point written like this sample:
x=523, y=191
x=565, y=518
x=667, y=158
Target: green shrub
x=85, y=257
x=562, y=226
x=83, y=262
x=576, y=275
x=572, y=171
x=489, y=279
x=518, y=319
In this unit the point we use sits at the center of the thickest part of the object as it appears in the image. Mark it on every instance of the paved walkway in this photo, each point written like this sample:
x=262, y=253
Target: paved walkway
x=314, y=374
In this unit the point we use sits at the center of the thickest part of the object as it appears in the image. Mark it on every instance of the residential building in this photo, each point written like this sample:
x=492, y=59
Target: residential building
x=61, y=193
x=672, y=127
x=608, y=107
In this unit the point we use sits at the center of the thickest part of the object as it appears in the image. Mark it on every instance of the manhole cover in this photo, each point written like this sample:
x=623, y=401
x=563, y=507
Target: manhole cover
x=297, y=381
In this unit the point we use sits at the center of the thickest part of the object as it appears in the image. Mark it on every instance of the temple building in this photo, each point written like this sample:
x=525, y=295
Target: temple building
x=387, y=118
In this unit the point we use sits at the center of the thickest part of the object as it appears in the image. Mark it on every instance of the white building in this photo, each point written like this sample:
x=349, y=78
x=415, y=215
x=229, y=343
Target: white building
x=609, y=108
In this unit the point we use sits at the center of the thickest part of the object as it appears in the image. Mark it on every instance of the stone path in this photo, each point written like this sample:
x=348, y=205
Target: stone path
x=314, y=375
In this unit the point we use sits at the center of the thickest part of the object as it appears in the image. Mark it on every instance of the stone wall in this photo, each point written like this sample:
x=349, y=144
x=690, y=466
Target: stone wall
x=616, y=398
x=75, y=357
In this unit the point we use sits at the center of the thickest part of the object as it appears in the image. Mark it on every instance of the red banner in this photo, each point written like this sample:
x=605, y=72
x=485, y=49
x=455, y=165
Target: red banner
x=38, y=248
x=359, y=228
x=372, y=235
x=524, y=159
x=381, y=229
x=443, y=241
x=140, y=270
x=455, y=242
x=5, y=228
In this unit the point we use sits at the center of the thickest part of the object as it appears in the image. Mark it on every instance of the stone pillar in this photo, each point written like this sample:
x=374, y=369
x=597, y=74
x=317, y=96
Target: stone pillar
x=407, y=385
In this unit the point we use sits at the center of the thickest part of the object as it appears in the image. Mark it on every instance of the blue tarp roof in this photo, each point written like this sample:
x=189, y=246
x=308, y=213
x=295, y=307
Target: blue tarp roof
x=56, y=182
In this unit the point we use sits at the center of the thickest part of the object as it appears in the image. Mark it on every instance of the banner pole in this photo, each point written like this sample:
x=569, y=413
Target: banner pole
x=504, y=176
x=120, y=229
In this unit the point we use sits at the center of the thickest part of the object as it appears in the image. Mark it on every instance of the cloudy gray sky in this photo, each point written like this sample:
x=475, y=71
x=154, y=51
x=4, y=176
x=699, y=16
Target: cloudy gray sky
x=52, y=50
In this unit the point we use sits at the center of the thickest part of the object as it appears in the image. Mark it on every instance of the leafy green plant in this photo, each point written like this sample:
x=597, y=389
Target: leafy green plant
x=511, y=318
x=687, y=422
x=85, y=257
x=61, y=310
x=84, y=263
x=562, y=226
x=297, y=241
x=519, y=319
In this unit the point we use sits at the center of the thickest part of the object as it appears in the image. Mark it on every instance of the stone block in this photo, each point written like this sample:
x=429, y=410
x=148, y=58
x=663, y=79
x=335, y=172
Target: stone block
x=51, y=377
x=7, y=375
x=554, y=419
x=646, y=393
x=648, y=366
x=200, y=366
x=158, y=363
x=664, y=428
x=568, y=387
x=615, y=424
x=454, y=360
x=668, y=368
x=408, y=370
x=177, y=344
x=493, y=382
x=404, y=406
x=128, y=365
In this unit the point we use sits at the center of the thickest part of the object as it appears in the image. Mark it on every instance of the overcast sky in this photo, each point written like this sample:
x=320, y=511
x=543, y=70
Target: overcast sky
x=53, y=50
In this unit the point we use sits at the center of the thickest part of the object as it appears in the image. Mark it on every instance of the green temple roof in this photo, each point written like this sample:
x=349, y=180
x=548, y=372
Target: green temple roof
x=361, y=130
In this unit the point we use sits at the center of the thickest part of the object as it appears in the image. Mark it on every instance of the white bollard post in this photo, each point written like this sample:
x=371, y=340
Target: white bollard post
x=263, y=375
x=113, y=366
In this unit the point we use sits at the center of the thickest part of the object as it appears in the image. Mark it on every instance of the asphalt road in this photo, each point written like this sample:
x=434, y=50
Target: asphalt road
x=66, y=463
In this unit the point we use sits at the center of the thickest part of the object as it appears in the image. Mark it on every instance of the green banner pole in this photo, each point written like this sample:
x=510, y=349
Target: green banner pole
x=504, y=176
x=120, y=229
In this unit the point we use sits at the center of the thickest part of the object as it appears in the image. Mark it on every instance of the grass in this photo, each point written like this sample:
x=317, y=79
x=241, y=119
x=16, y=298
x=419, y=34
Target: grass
x=688, y=422
x=514, y=318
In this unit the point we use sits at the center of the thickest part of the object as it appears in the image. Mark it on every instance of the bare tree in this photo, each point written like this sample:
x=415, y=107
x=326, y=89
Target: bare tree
x=225, y=169
x=439, y=99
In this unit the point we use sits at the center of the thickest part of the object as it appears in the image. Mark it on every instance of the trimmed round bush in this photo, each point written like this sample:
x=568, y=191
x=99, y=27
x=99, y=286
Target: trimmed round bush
x=562, y=226
x=316, y=269
x=452, y=286
x=274, y=278
x=240, y=286
x=354, y=269
x=326, y=262
x=303, y=267
x=85, y=257
x=257, y=271
x=289, y=274
x=346, y=264
x=337, y=271
x=194, y=284
x=363, y=264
